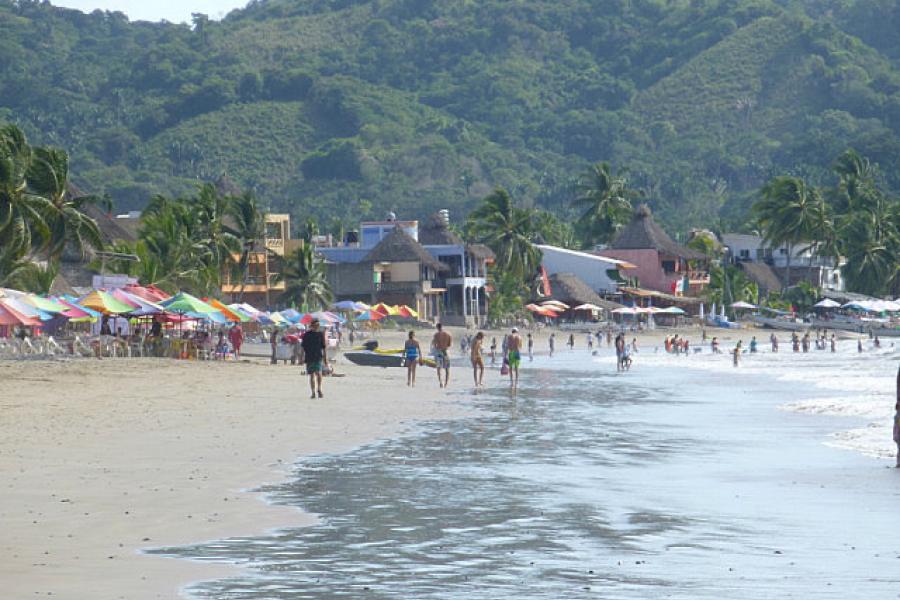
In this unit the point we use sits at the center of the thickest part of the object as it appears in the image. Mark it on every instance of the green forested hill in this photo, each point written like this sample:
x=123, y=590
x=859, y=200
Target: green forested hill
x=340, y=109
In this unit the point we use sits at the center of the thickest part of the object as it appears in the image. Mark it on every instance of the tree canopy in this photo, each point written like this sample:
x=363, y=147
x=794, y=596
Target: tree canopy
x=347, y=109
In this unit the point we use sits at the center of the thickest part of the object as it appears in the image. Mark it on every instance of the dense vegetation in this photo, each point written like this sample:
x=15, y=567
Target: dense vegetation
x=342, y=109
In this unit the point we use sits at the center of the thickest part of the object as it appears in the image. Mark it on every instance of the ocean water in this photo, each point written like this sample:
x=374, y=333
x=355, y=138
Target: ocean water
x=684, y=478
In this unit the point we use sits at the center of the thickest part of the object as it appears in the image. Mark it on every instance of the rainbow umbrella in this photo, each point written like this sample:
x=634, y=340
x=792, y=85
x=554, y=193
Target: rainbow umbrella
x=76, y=313
x=385, y=309
x=231, y=314
x=47, y=305
x=370, y=315
x=407, y=312
x=105, y=303
x=142, y=307
x=10, y=316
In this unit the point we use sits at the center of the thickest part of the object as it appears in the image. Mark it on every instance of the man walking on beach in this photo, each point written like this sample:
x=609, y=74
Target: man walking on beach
x=313, y=345
x=552, y=342
x=440, y=344
x=514, y=356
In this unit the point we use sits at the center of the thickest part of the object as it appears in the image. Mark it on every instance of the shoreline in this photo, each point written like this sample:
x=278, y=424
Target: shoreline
x=109, y=459
x=102, y=470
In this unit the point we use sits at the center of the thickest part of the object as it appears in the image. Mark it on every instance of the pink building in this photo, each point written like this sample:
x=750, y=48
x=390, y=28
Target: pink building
x=661, y=264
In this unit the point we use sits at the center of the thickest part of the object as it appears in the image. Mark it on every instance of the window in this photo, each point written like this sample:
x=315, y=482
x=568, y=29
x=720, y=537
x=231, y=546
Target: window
x=745, y=254
x=668, y=266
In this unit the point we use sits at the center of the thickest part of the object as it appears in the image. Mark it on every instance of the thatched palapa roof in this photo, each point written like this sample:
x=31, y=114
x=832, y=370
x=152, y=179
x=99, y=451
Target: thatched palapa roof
x=568, y=288
x=437, y=233
x=643, y=233
x=398, y=246
x=761, y=274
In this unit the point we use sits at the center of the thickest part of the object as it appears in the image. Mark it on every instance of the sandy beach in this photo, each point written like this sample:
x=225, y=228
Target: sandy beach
x=104, y=458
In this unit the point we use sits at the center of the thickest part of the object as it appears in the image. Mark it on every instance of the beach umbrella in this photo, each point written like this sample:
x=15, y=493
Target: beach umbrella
x=546, y=312
x=77, y=313
x=10, y=316
x=231, y=314
x=142, y=308
x=292, y=315
x=47, y=305
x=625, y=310
x=385, y=309
x=587, y=306
x=552, y=303
x=672, y=310
x=182, y=302
x=701, y=311
x=150, y=293
x=345, y=305
x=105, y=303
x=827, y=303
x=553, y=307
x=742, y=304
x=409, y=313
x=370, y=315
x=533, y=307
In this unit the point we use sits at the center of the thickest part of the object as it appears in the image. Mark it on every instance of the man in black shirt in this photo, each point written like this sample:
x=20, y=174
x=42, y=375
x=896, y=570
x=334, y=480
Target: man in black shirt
x=313, y=344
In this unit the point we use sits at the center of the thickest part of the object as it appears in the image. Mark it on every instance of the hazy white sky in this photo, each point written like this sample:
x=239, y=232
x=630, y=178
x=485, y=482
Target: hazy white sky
x=156, y=10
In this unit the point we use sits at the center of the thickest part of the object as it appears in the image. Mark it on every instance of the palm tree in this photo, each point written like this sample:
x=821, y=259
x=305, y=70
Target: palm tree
x=39, y=280
x=68, y=225
x=305, y=280
x=167, y=235
x=607, y=200
x=22, y=212
x=210, y=208
x=249, y=228
x=12, y=266
x=787, y=212
x=508, y=231
x=872, y=248
x=856, y=182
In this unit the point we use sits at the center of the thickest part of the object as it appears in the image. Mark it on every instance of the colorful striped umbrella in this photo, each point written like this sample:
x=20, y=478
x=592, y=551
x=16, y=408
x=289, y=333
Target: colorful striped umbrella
x=105, y=303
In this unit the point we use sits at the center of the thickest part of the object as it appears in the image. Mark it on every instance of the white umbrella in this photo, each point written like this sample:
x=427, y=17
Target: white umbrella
x=743, y=304
x=827, y=303
x=672, y=310
x=625, y=310
x=562, y=305
x=701, y=311
x=587, y=306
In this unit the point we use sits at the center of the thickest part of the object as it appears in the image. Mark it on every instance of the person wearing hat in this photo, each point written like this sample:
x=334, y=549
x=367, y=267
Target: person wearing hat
x=313, y=344
x=514, y=356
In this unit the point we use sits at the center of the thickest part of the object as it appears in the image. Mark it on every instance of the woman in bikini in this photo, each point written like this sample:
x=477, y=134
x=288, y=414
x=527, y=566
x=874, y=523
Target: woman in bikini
x=478, y=359
x=413, y=355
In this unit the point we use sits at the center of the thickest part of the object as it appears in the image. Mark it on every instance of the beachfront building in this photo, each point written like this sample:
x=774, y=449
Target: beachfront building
x=430, y=269
x=602, y=274
x=660, y=264
x=820, y=271
x=465, y=279
x=261, y=285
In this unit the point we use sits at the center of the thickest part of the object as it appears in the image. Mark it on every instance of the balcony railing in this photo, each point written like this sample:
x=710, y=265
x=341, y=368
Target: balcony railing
x=403, y=287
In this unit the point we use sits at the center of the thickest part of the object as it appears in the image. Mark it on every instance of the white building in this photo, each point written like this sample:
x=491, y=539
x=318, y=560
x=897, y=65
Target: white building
x=821, y=271
x=599, y=272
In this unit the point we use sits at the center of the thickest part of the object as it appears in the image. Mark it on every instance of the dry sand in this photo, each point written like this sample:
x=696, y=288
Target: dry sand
x=103, y=458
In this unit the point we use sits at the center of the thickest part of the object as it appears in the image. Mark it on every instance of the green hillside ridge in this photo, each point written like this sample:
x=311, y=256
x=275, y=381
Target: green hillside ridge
x=342, y=109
